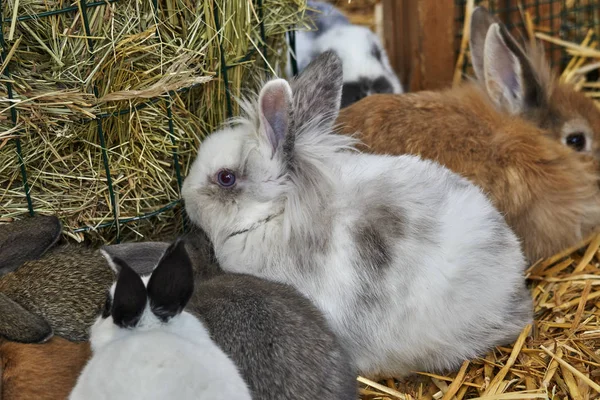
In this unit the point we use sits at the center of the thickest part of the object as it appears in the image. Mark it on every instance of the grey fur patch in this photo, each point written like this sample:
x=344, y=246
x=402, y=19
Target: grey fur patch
x=19, y=325
x=317, y=91
x=376, y=52
x=272, y=333
x=141, y=257
x=27, y=239
x=375, y=232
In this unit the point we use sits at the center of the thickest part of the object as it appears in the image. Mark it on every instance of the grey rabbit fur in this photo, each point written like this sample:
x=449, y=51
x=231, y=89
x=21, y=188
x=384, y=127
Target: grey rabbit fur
x=280, y=342
x=46, y=291
x=26, y=240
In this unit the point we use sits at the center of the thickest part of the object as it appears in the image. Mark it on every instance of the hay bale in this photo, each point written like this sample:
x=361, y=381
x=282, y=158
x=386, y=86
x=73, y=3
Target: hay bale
x=143, y=79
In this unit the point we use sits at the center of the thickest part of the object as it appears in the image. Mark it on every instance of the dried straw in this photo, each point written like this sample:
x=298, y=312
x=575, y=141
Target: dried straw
x=137, y=61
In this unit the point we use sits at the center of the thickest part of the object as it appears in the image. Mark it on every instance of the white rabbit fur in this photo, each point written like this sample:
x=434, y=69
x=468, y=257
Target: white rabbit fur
x=366, y=67
x=410, y=263
x=157, y=360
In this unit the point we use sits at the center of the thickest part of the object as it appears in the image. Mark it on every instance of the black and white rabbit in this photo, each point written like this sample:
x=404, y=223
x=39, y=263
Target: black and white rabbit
x=278, y=339
x=146, y=347
x=411, y=264
x=366, y=67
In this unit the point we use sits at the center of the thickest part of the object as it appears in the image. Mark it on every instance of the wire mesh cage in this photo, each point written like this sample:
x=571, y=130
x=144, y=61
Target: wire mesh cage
x=103, y=103
x=569, y=20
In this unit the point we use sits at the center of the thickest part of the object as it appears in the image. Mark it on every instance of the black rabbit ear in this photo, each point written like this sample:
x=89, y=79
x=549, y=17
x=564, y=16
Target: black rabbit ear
x=172, y=282
x=130, y=297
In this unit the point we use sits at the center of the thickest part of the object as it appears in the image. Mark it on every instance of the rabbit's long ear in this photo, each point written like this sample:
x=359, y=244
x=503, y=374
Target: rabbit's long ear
x=275, y=106
x=141, y=257
x=19, y=325
x=481, y=20
x=172, y=282
x=27, y=239
x=317, y=92
x=510, y=77
x=130, y=296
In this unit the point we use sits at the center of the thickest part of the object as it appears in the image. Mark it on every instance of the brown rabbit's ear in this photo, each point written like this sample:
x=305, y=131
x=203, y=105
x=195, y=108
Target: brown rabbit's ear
x=481, y=20
x=140, y=257
x=19, y=325
x=509, y=75
x=27, y=239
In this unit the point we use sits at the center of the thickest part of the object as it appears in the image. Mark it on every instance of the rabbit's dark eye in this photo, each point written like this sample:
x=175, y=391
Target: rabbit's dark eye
x=576, y=141
x=225, y=178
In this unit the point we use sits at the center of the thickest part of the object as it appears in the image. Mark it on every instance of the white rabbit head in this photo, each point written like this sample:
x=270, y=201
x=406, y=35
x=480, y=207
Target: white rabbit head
x=367, y=69
x=146, y=303
x=253, y=170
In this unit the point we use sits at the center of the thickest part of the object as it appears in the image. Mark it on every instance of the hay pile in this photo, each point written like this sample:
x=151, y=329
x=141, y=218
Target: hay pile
x=145, y=78
x=559, y=356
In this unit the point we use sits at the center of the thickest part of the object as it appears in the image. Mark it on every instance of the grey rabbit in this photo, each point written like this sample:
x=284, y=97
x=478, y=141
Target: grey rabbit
x=281, y=343
x=46, y=291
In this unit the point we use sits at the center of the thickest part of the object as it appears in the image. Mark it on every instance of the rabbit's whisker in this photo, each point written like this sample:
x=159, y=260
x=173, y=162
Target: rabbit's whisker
x=255, y=225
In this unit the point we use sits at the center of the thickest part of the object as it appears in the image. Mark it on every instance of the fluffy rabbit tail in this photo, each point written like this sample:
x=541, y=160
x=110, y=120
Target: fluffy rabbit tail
x=297, y=122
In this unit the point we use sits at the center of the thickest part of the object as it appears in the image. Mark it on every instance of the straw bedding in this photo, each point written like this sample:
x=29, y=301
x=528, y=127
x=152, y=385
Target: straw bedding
x=158, y=69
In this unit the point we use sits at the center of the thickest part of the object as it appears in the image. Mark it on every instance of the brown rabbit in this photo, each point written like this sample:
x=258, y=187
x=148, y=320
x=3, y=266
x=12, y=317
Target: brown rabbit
x=60, y=291
x=502, y=135
x=566, y=115
x=40, y=371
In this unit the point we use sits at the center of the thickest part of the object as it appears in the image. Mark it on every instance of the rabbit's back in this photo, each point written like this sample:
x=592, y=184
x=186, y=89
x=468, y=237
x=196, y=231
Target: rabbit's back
x=278, y=339
x=548, y=194
x=159, y=365
x=423, y=236
x=67, y=287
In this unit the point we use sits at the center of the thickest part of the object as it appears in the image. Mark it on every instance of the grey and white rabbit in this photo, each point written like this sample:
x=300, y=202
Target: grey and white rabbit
x=279, y=340
x=47, y=290
x=410, y=263
x=366, y=68
x=146, y=347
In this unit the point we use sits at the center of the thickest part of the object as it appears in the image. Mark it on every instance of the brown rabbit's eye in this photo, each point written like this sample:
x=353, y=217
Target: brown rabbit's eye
x=225, y=178
x=576, y=141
